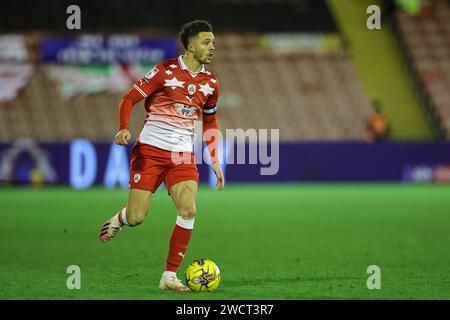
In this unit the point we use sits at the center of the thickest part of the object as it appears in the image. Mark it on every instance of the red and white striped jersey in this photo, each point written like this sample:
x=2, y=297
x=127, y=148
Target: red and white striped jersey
x=174, y=98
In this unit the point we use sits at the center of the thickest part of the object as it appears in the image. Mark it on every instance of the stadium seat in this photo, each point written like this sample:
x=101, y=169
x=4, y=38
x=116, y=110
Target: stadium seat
x=307, y=96
x=427, y=38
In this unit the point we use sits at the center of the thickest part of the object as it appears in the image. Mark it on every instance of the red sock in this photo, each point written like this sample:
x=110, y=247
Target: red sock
x=178, y=245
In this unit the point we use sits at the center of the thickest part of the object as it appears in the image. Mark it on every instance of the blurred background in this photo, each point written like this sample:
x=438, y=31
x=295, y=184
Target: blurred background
x=362, y=104
x=352, y=104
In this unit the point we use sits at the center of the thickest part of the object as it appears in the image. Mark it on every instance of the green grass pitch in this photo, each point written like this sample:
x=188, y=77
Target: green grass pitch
x=297, y=241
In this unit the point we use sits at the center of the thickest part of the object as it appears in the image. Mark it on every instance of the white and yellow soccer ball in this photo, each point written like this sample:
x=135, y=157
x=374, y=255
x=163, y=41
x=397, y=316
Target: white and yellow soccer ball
x=203, y=275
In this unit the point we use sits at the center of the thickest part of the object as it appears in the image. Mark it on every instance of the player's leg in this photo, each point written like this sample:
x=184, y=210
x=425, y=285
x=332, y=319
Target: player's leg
x=184, y=196
x=131, y=215
x=138, y=205
x=146, y=174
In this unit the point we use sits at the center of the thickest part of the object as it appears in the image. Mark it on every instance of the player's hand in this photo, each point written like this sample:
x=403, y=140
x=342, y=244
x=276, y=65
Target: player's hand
x=219, y=174
x=123, y=137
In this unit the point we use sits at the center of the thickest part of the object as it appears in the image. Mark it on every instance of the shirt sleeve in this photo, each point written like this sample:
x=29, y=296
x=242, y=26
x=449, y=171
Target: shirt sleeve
x=210, y=125
x=151, y=82
x=211, y=136
x=126, y=107
x=210, y=107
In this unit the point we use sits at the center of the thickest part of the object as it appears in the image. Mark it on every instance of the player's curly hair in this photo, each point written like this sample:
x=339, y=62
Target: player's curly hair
x=193, y=28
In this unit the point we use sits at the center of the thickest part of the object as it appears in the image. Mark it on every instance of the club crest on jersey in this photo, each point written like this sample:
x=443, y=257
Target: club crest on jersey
x=151, y=73
x=137, y=177
x=185, y=110
x=191, y=89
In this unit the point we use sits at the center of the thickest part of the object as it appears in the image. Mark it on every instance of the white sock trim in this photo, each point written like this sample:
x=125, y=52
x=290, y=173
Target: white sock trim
x=169, y=273
x=123, y=215
x=185, y=223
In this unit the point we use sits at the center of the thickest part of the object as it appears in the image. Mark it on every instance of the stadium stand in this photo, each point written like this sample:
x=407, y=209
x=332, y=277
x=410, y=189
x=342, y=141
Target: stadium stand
x=426, y=39
x=308, y=96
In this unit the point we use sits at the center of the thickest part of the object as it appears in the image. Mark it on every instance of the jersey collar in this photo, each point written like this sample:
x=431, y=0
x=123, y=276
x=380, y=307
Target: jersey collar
x=183, y=66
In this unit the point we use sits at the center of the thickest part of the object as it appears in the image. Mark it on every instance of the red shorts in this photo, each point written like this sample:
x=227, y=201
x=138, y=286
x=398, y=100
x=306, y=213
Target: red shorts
x=150, y=166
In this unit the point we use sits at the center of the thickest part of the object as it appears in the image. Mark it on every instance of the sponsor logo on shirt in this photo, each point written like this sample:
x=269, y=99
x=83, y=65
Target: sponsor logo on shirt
x=151, y=73
x=185, y=110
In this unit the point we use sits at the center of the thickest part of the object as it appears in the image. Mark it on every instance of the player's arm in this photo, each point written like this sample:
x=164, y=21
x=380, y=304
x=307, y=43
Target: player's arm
x=150, y=83
x=125, y=108
x=211, y=135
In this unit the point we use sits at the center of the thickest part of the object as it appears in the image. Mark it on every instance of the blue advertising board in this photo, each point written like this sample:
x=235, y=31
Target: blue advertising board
x=83, y=164
x=99, y=49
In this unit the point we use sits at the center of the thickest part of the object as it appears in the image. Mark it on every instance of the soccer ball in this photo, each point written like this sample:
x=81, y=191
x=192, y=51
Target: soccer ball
x=203, y=275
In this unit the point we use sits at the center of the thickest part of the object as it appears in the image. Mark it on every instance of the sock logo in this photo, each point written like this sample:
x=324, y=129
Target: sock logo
x=137, y=177
x=181, y=254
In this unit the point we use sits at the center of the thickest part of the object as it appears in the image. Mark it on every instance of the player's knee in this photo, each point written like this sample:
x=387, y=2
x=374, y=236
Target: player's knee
x=187, y=212
x=132, y=222
x=135, y=218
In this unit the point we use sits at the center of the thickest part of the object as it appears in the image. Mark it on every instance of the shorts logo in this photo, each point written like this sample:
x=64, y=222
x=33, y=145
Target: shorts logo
x=191, y=89
x=150, y=74
x=137, y=177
